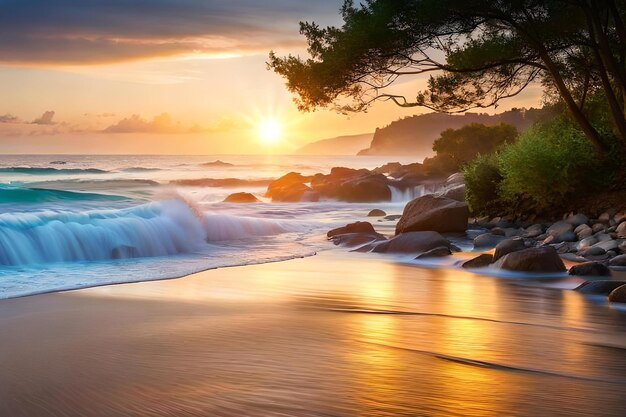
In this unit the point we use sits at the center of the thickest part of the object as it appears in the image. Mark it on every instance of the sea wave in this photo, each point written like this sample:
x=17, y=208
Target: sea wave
x=19, y=195
x=51, y=171
x=156, y=229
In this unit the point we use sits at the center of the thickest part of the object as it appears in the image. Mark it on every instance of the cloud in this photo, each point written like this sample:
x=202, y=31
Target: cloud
x=67, y=32
x=9, y=118
x=162, y=123
x=45, y=119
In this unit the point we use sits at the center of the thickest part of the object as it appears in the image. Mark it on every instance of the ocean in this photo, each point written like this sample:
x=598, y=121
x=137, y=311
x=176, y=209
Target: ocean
x=75, y=221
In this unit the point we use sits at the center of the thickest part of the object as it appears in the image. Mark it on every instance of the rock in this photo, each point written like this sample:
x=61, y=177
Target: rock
x=356, y=227
x=480, y=261
x=507, y=246
x=455, y=192
x=561, y=231
x=534, y=231
x=618, y=295
x=393, y=217
x=602, y=237
x=412, y=242
x=621, y=230
x=590, y=269
x=620, y=217
x=586, y=243
x=456, y=178
x=622, y=247
x=593, y=251
x=566, y=247
x=352, y=185
x=437, y=252
x=619, y=260
x=356, y=239
x=607, y=245
x=568, y=236
x=602, y=287
x=433, y=213
x=376, y=213
x=241, y=198
x=487, y=240
x=583, y=231
x=542, y=259
x=288, y=188
x=498, y=231
x=598, y=227
x=577, y=219
x=572, y=257
x=604, y=218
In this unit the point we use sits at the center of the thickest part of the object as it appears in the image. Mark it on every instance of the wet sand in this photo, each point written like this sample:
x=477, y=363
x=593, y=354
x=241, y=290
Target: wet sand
x=332, y=335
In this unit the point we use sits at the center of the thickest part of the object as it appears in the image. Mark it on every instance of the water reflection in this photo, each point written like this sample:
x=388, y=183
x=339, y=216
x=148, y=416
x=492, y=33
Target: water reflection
x=323, y=336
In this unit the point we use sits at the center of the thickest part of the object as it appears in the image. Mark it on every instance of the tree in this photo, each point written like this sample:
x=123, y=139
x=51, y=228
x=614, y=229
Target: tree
x=477, y=52
x=465, y=144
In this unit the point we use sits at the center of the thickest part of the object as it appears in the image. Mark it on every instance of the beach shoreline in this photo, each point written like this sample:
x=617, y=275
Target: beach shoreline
x=334, y=334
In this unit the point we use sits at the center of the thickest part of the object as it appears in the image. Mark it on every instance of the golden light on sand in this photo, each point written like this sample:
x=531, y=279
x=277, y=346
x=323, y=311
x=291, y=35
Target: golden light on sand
x=270, y=131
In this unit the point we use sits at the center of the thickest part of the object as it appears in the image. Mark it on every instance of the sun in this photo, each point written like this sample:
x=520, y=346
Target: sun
x=270, y=131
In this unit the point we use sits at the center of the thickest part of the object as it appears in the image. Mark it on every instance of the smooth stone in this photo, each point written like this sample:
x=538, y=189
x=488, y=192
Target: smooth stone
x=618, y=295
x=622, y=247
x=598, y=227
x=577, y=219
x=607, y=245
x=356, y=227
x=590, y=269
x=487, y=240
x=568, y=236
x=480, y=261
x=430, y=213
x=542, y=259
x=534, y=231
x=601, y=287
x=593, y=251
x=376, y=213
x=620, y=217
x=604, y=217
x=437, y=252
x=507, y=246
x=393, y=217
x=498, y=231
x=559, y=227
x=586, y=243
x=602, y=236
x=241, y=198
x=619, y=260
x=621, y=230
x=572, y=257
x=411, y=242
x=583, y=231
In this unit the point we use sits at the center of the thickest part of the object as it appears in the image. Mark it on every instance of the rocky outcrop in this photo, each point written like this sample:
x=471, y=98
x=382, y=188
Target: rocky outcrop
x=541, y=259
x=435, y=214
x=352, y=185
x=412, y=242
x=241, y=198
x=290, y=188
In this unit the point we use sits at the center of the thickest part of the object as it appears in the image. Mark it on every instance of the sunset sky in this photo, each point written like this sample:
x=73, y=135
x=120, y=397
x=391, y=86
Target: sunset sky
x=163, y=76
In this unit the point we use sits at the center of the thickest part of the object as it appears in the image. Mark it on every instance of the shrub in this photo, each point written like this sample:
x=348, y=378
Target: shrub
x=549, y=162
x=482, y=182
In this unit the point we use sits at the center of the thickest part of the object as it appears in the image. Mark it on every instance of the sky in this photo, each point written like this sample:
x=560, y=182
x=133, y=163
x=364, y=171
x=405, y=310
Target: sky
x=164, y=77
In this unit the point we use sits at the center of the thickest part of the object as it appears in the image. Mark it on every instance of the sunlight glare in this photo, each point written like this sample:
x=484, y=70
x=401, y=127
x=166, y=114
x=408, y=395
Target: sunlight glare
x=270, y=131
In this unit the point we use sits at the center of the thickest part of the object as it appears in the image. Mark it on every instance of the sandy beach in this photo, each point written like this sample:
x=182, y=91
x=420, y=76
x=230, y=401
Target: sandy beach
x=331, y=335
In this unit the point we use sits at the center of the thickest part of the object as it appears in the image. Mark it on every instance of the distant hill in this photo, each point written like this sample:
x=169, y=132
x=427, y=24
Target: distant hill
x=415, y=135
x=341, y=145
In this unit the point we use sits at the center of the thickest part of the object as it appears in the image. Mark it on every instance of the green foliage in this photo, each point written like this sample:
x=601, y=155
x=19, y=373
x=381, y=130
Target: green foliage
x=482, y=182
x=464, y=144
x=548, y=163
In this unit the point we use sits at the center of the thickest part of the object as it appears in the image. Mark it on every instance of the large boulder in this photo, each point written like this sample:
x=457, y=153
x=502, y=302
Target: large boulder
x=454, y=192
x=241, y=198
x=480, y=261
x=412, y=242
x=541, y=259
x=433, y=213
x=356, y=227
x=603, y=287
x=618, y=295
x=507, y=246
x=590, y=269
x=290, y=188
